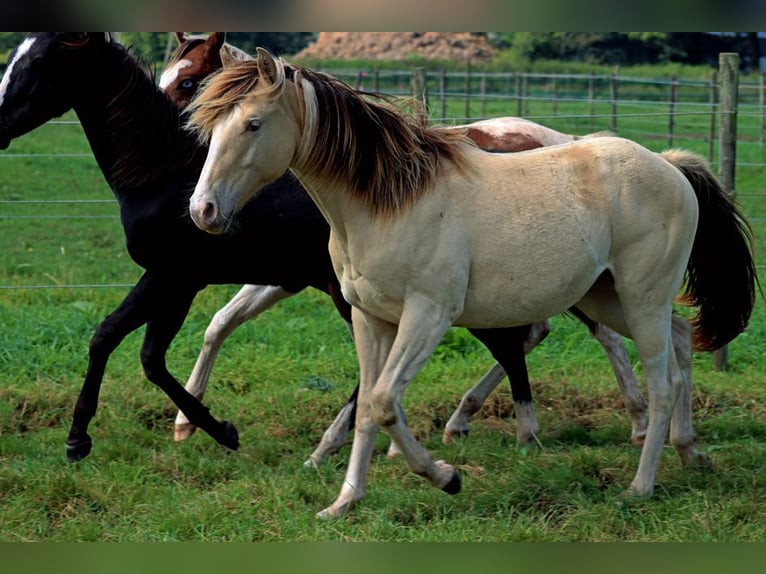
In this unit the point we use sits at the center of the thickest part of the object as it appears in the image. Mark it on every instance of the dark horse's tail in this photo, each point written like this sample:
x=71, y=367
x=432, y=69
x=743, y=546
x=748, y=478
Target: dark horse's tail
x=721, y=275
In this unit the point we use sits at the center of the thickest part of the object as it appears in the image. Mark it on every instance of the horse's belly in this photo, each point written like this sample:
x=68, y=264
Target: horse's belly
x=519, y=301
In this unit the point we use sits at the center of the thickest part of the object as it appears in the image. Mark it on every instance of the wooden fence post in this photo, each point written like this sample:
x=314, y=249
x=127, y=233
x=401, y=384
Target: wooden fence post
x=712, y=101
x=762, y=104
x=613, y=96
x=728, y=77
x=467, y=90
x=672, y=108
x=443, y=90
x=591, y=102
x=418, y=83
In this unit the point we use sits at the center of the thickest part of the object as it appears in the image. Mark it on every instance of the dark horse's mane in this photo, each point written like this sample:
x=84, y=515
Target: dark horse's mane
x=146, y=129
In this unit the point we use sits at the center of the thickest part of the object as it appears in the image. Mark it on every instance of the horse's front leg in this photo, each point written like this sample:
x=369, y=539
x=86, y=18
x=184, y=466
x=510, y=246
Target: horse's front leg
x=129, y=316
x=250, y=301
x=373, y=339
x=421, y=327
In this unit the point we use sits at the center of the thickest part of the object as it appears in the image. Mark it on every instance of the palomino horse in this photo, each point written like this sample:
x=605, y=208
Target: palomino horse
x=429, y=231
x=199, y=56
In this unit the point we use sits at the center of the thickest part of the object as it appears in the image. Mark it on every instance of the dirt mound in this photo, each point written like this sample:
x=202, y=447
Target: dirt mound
x=460, y=46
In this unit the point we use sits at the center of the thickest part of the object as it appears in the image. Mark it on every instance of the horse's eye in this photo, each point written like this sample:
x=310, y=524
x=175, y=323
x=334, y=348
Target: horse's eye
x=186, y=85
x=253, y=124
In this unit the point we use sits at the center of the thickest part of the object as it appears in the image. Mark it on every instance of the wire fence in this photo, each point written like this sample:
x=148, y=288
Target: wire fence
x=658, y=113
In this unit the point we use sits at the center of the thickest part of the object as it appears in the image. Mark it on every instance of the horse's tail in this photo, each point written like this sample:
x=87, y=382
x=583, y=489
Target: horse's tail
x=721, y=274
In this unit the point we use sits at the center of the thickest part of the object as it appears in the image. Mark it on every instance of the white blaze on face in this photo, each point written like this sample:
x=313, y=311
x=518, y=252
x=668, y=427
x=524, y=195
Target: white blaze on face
x=169, y=76
x=25, y=46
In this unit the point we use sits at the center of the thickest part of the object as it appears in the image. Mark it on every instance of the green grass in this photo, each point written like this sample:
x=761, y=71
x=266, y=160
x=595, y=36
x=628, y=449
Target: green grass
x=282, y=378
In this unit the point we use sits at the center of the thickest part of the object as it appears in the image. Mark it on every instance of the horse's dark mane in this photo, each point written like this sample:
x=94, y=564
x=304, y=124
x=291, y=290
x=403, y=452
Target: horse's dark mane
x=146, y=129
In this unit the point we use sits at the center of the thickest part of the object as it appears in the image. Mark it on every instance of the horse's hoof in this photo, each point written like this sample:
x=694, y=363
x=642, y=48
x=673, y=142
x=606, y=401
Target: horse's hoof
x=450, y=436
x=453, y=486
x=229, y=436
x=78, y=450
x=700, y=461
x=183, y=431
x=638, y=440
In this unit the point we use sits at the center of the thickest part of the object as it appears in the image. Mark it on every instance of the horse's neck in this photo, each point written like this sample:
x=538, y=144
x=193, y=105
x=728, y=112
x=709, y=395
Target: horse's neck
x=132, y=132
x=332, y=202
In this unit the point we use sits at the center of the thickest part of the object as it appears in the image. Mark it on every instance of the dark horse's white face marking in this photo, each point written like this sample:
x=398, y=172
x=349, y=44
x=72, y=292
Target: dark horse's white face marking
x=38, y=84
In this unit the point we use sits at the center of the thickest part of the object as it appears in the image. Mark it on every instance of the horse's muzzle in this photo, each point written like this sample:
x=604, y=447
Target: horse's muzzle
x=207, y=217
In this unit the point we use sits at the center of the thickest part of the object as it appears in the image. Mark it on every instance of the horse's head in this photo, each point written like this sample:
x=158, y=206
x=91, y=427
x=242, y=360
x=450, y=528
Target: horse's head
x=253, y=126
x=194, y=60
x=40, y=83
x=41, y=80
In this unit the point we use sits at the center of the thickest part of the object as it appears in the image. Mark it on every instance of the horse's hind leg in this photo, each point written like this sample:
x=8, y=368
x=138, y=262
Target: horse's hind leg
x=508, y=346
x=626, y=380
x=471, y=402
x=249, y=302
x=681, y=428
x=614, y=348
x=337, y=433
x=160, y=332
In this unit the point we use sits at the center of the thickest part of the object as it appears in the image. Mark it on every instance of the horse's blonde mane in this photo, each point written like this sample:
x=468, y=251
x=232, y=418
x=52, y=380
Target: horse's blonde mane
x=387, y=158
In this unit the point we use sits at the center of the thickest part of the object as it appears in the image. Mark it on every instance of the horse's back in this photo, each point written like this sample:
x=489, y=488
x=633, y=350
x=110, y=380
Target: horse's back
x=547, y=223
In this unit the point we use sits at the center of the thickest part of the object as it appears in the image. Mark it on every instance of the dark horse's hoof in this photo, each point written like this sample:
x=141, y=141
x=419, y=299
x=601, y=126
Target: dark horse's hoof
x=229, y=436
x=453, y=486
x=78, y=450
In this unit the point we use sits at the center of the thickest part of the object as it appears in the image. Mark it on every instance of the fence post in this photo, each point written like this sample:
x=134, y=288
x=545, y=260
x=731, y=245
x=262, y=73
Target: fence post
x=762, y=103
x=712, y=101
x=672, y=108
x=418, y=82
x=613, y=95
x=467, y=90
x=728, y=78
x=591, y=96
x=443, y=90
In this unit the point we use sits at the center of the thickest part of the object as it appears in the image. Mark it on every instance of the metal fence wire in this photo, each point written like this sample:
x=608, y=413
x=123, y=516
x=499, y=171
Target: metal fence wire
x=659, y=113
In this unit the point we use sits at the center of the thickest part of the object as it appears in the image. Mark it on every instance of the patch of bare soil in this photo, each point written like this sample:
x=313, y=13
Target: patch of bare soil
x=456, y=46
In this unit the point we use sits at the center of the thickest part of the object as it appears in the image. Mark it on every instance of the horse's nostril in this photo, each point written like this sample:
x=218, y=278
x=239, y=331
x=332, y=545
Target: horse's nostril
x=209, y=212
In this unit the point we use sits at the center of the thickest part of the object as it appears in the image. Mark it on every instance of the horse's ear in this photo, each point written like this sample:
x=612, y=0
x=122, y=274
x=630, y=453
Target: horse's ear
x=181, y=37
x=75, y=39
x=217, y=39
x=80, y=39
x=267, y=67
x=231, y=55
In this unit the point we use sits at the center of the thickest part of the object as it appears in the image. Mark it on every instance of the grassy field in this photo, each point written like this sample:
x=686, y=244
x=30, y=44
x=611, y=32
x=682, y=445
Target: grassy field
x=282, y=378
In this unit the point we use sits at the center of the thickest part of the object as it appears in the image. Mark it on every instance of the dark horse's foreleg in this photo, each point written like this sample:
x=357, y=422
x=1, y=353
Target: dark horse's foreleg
x=106, y=338
x=149, y=298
